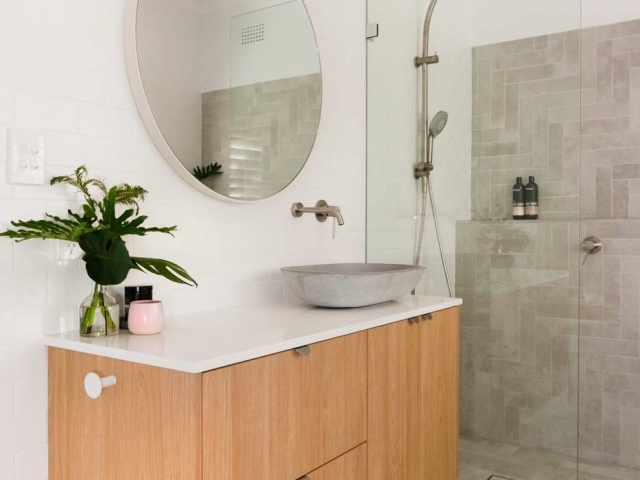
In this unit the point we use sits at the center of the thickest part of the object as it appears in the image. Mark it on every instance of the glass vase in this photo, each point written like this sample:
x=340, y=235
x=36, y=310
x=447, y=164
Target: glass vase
x=99, y=314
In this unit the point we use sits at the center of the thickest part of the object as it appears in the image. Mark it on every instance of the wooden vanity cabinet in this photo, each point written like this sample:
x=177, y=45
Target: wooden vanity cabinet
x=380, y=404
x=413, y=399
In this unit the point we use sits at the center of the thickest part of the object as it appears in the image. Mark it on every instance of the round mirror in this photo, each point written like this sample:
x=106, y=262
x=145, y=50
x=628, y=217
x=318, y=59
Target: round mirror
x=230, y=91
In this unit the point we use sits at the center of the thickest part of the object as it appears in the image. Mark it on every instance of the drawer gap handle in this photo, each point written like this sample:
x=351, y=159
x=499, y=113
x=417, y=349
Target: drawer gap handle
x=428, y=316
x=94, y=385
x=415, y=320
x=305, y=350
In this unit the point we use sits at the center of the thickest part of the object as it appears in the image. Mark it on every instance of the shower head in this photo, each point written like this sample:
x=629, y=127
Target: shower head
x=438, y=123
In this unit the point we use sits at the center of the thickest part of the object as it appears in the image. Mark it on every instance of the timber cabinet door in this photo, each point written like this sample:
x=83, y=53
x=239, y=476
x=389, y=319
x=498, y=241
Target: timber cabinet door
x=76, y=433
x=147, y=426
x=282, y=416
x=413, y=399
x=153, y=423
x=438, y=391
x=393, y=392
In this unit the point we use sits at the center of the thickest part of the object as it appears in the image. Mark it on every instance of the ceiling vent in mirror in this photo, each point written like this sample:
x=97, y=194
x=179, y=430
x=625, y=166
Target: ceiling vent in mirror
x=253, y=34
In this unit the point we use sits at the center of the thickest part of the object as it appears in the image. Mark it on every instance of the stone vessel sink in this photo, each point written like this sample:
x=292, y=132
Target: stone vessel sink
x=349, y=285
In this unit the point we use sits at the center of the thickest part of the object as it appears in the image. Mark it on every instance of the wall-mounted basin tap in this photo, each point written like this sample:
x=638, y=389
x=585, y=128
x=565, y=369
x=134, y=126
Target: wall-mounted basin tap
x=322, y=210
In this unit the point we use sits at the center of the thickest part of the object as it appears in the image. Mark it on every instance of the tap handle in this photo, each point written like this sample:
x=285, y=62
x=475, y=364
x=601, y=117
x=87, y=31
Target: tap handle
x=321, y=217
x=296, y=209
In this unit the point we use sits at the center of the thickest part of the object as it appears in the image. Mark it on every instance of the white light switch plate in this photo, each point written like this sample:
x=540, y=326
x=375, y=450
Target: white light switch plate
x=25, y=156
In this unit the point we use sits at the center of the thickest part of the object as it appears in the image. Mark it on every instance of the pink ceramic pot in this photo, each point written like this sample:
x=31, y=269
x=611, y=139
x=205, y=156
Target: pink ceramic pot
x=146, y=317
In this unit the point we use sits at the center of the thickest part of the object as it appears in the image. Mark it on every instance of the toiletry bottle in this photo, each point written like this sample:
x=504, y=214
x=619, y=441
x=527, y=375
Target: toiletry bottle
x=531, y=200
x=518, y=200
x=133, y=294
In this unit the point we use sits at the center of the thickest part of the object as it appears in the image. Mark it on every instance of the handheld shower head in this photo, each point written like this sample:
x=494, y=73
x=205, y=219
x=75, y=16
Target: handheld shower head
x=438, y=123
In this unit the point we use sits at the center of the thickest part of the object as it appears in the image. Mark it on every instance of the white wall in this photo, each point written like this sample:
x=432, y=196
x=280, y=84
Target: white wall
x=394, y=122
x=65, y=74
x=603, y=12
x=503, y=20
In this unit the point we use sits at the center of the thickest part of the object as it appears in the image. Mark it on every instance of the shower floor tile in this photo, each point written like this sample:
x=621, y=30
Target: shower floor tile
x=482, y=460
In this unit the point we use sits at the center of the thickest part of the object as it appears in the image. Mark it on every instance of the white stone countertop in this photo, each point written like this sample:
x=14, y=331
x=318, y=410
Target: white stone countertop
x=205, y=341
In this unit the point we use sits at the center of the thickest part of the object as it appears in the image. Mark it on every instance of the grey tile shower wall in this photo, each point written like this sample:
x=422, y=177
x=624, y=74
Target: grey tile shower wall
x=542, y=334
x=538, y=102
x=611, y=121
x=526, y=121
x=610, y=345
x=261, y=134
x=520, y=284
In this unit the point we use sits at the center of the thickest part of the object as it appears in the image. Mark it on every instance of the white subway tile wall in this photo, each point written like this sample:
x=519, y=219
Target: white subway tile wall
x=393, y=135
x=63, y=71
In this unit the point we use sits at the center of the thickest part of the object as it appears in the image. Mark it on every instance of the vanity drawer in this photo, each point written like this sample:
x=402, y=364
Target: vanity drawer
x=350, y=466
x=281, y=416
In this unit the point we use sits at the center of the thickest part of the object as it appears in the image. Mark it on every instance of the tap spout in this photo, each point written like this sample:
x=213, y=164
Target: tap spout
x=322, y=211
x=335, y=213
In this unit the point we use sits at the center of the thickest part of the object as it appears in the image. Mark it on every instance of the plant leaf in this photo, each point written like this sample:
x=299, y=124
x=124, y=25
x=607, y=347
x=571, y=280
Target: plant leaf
x=107, y=258
x=202, y=173
x=131, y=195
x=42, y=229
x=108, y=207
x=89, y=211
x=164, y=268
x=124, y=217
x=78, y=180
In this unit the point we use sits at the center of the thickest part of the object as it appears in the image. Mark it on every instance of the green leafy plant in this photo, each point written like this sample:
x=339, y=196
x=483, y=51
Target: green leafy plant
x=99, y=230
x=207, y=171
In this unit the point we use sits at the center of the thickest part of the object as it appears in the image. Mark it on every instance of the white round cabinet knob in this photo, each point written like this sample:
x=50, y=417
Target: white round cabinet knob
x=94, y=385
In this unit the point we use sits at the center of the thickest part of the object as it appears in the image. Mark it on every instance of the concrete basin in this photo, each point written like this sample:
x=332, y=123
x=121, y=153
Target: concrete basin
x=350, y=285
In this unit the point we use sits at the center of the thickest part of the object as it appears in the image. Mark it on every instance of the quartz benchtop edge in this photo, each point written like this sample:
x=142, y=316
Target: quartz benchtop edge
x=200, y=342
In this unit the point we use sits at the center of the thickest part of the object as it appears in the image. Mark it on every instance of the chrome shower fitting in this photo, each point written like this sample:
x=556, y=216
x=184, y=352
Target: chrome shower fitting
x=423, y=62
x=438, y=124
x=422, y=170
x=428, y=60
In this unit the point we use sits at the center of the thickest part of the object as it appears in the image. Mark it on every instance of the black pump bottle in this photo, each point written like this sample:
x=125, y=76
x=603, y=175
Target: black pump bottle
x=517, y=210
x=531, y=200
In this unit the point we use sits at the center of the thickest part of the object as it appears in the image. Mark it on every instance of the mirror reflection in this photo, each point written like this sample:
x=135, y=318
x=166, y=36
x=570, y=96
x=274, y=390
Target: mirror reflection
x=235, y=89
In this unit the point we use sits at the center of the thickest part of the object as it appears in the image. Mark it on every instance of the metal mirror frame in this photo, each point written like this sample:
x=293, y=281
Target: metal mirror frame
x=149, y=121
